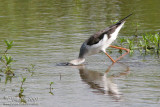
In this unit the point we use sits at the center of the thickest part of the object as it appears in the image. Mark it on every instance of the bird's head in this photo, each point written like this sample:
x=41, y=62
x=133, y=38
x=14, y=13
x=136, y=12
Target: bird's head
x=77, y=61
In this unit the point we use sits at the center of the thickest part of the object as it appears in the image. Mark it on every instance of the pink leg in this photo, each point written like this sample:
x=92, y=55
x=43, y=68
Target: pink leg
x=127, y=51
x=110, y=57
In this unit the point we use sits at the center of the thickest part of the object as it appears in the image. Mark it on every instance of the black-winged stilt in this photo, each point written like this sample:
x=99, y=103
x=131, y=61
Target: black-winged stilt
x=99, y=41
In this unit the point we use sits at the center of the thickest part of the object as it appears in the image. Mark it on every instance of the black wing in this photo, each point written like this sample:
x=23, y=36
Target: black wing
x=95, y=38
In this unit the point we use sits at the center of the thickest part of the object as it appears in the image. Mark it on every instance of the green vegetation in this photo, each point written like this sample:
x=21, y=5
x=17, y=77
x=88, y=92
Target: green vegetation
x=8, y=78
x=50, y=88
x=114, y=21
x=136, y=25
x=30, y=69
x=7, y=59
x=147, y=44
x=20, y=95
x=6, y=62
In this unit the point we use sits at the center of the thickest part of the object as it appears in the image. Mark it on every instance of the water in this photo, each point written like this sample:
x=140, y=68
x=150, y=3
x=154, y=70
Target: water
x=49, y=32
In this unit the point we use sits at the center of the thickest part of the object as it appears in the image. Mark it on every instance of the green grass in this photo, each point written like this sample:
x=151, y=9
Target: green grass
x=148, y=43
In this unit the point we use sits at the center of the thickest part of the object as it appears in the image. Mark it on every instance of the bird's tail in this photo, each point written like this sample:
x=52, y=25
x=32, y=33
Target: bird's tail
x=122, y=20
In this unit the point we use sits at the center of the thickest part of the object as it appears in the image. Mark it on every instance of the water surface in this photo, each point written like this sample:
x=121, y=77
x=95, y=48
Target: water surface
x=49, y=32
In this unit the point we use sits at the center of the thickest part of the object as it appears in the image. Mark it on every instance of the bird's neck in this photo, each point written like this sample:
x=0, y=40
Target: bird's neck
x=77, y=61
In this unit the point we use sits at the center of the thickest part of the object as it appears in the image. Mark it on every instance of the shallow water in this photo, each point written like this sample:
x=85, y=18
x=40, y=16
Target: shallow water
x=49, y=32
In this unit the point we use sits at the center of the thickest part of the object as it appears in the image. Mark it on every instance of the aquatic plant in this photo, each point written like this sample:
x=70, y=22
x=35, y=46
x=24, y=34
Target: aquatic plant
x=122, y=40
x=136, y=28
x=147, y=43
x=20, y=95
x=6, y=59
x=30, y=69
x=114, y=21
x=150, y=42
x=8, y=78
x=126, y=42
x=9, y=45
x=131, y=45
x=50, y=88
x=156, y=42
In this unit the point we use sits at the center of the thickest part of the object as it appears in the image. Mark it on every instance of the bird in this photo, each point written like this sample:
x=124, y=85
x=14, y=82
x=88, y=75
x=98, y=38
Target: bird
x=99, y=42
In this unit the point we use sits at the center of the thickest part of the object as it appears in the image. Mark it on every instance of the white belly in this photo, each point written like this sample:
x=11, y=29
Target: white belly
x=100, y=46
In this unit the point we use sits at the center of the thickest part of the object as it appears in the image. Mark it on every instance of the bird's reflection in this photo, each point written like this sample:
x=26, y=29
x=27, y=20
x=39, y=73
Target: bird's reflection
x=102, y=82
